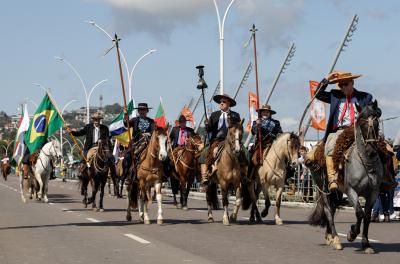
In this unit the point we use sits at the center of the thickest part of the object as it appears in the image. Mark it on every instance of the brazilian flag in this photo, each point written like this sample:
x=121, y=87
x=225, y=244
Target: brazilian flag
x=45, y=123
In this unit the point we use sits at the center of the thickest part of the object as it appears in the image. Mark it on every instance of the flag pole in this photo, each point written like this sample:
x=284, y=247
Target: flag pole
x=168, y=139
x=68, y=129
x=116, y=41
x=253, y=30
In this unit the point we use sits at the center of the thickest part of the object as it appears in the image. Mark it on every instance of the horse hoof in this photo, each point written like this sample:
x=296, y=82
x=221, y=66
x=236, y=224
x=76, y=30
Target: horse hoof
x=185, y=208
x=128, y=218
x=225, y=221
x=259, y=220
x=84, y=205
x=23, y=200
x=30, y=197
x=336, y=243
x=252, y=220
x=369, y=250
x=278, y=221
x=95, y=209
x=210, y=219
x=101, y=210
x=146, y=222
x=178, y=206
x=351, y=236
x=160, y=221
x=264, y=213
x=328, y=239
x=232, y=218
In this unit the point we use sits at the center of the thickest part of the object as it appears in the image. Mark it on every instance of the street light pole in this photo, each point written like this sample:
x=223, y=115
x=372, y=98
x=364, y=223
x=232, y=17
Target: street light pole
x=87, y=95
x=61, y=131
x=221, y=27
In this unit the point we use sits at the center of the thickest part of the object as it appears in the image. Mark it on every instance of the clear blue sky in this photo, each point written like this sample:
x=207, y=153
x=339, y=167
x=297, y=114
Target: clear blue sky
x=185, y=33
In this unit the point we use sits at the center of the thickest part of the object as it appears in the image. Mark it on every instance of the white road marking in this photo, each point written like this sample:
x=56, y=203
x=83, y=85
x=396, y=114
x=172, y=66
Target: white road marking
x=201, y=211
x=247, y=218
x=370, y=239
x=93, y=220
x=52, y=203
x=8, y=187
x=67, y=210
x=138, y=239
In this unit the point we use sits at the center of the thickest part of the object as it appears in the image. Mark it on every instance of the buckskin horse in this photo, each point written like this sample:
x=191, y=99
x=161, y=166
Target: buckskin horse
x=362, y=176
x=282, y=154
x=149, y=174
x=229, y=170
x=184, y=168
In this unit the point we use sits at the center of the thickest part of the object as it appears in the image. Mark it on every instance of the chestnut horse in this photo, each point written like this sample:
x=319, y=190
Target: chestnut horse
x=5, y=169
x=149, y=174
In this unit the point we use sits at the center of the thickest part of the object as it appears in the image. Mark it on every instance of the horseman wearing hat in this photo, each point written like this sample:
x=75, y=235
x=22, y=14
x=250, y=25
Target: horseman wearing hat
x=217, y=126
x=93, y=132
x=142, y=127
x=181, y=133
x=270, y=128
x=345, y=105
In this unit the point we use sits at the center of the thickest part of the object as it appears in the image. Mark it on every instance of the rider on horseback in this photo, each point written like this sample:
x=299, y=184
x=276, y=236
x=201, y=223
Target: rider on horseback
x=270, y=128
x=181, y=133
x=346, y=104
x=217, y=126
x=142, y=127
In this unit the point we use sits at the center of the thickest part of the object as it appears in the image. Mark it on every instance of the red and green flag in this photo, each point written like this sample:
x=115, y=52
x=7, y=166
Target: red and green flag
x=160, y=119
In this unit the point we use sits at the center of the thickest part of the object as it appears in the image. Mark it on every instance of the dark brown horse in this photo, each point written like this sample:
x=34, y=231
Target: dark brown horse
x=5, y=169
x=184, y=168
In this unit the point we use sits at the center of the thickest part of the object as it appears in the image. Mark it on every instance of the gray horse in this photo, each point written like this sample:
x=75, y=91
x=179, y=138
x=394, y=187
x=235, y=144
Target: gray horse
x=363, y=174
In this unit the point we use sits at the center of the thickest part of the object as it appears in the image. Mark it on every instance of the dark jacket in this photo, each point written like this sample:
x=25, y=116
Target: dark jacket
x=270, y=128
x=212, y=126
x=174, y=135
x=88, y=131
x=134, y=123
x=333, y=98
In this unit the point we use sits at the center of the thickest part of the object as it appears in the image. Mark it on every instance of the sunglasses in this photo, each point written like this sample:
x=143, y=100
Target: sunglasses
x=223, y=102
x=343, y=84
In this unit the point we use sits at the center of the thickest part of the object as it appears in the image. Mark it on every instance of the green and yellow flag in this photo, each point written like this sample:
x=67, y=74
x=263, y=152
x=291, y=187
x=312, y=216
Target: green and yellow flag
x=45, y=123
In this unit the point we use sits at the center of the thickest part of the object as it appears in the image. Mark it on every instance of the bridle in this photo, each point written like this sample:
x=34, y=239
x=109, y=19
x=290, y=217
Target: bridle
x=371, y=129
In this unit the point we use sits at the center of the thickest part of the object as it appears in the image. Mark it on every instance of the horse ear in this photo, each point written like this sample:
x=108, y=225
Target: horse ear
x=375, y=104
x=242, y=121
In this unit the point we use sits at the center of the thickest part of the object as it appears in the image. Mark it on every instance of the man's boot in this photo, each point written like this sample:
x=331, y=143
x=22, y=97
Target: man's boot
x=204, y=174
x=332, y=174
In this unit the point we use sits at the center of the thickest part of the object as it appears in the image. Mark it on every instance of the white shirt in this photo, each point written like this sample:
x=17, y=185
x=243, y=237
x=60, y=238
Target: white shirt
x=96, y=134
x=224, y=115
x=346, y=121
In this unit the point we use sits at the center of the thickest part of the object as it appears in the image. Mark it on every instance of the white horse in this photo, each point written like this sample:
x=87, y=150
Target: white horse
x=43, y=168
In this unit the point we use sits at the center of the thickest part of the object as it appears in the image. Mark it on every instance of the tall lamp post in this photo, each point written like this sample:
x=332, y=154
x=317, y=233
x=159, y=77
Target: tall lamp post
x=129, y=73
x=221, y=26
x=87, y=95
x=61, y=132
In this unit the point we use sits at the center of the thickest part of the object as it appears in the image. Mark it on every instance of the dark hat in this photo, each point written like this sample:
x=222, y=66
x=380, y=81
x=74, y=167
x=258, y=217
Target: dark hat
x=97, y=115
x=143, y=106
x=267, y=108
x=217, y=98
x=182, y=118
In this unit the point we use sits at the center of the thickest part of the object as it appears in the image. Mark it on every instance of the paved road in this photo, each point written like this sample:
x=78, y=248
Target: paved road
x=64, y=232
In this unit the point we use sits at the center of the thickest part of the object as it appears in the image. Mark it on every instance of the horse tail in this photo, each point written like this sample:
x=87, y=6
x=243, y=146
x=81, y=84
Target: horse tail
x=133, y=194
x=318, y=216
x=245, y=193
x=212, y=194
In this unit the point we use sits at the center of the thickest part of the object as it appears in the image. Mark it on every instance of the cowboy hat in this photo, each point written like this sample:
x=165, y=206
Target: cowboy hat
x=267, y=108
x=97, y=115
x=217, y=98
x=343, y=77
x=143, y=106
x=182, y=119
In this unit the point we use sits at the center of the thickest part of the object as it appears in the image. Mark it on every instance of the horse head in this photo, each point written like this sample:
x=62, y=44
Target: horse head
x=368, y=122
x=103, y=148
x=293, y=147
x=55, y=149
x=195, y=143
x=234, y=137
x=159, y=134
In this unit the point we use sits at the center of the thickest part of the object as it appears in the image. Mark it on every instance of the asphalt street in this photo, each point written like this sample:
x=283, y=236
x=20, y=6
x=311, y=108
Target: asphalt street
x=62, y=231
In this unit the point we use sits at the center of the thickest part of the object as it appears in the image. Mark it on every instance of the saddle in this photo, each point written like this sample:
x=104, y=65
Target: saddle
x=214, y=152
x=255, y=157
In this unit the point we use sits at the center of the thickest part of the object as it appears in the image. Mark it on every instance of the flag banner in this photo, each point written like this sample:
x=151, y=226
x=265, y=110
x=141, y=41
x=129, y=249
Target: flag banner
x=160, y=119
x=117, y=128
x=253, y=115
x=318, y=117
x=45, y=123
x=19, y=147
x=188, y=115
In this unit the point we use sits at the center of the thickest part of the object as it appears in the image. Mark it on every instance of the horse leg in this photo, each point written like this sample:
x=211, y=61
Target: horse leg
x=21, y=187
x=46, y=188
x=38, y=178
x=278, y=220
x=331, y=236
x=366, y=246
x=174, y=188
x=355, y=228
x=265, y=191
x=225, y=203
x=183, y=194
x=95, y=189
x=238, y=202
x=102, y=187
x=210, y=218
x=160, y=219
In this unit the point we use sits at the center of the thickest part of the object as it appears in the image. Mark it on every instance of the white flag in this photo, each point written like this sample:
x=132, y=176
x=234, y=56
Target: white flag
x=19, y=142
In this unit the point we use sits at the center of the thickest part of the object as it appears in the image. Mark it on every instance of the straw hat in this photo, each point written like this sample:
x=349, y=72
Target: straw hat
x=267, y=108
x=343, y=77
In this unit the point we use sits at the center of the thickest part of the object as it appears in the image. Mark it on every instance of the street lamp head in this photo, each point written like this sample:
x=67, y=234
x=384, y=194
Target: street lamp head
x=152, y=50
x=58, y=58
x=201, y=83
x=91, y=22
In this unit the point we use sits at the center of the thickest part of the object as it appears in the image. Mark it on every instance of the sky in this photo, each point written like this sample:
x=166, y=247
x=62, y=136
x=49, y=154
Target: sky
x=185, y=34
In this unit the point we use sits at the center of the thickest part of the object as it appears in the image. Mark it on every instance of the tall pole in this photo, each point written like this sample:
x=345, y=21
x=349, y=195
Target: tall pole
x=116, y=41
x=253, y=30
x=347, y=39
x=221, y=26
x=61, y=132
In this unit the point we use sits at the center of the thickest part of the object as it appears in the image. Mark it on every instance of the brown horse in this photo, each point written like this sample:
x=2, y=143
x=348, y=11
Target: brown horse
x=149, y=174
x=27, y=180
x=185, y=168
x=227, y=172
x=5, y=169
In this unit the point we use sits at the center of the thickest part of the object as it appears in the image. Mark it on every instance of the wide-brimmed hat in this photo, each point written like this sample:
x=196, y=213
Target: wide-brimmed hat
x=181, y=119
x=217, y=98
x=97, y=115
x=267, y=107
x=344, y=76
x=143, y=106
